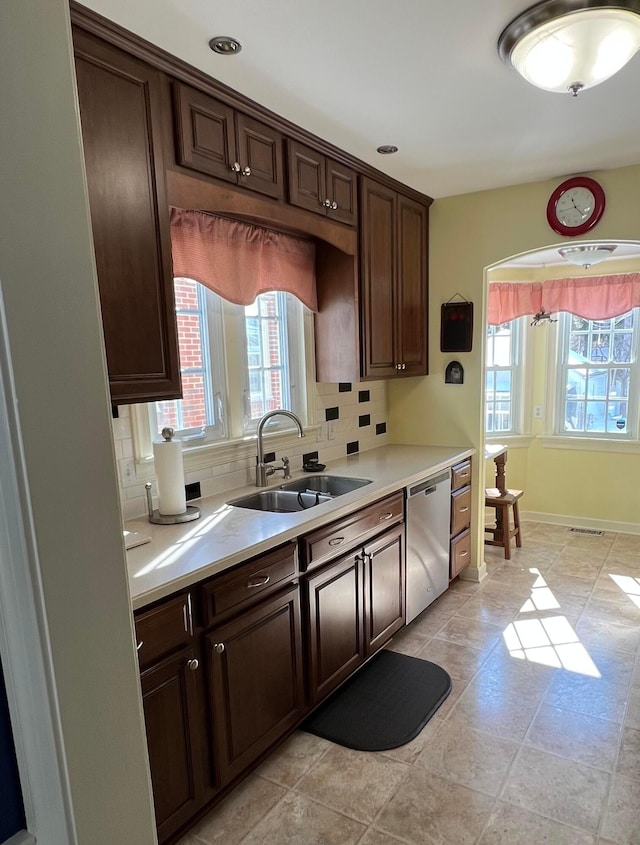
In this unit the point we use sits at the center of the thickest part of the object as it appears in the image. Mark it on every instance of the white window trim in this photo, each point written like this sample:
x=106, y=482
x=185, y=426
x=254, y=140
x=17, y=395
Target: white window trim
x=198, y=455
x=523, y=379
x=597, y=442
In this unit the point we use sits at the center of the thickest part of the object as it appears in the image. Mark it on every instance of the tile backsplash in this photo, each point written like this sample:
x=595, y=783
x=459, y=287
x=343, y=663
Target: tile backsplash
x=347, y=419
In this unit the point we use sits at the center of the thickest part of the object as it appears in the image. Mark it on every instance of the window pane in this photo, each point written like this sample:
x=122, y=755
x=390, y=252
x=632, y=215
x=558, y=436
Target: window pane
x=267, y=354
x=500, y=377
x=597, y=393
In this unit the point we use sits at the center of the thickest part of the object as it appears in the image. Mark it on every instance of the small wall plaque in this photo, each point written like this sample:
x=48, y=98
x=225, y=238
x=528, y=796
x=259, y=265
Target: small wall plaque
x=454, y=374
x=456, y=327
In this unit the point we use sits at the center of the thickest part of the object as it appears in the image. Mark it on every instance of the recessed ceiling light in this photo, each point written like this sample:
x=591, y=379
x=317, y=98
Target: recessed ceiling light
x=225, y=45
x=387, y=149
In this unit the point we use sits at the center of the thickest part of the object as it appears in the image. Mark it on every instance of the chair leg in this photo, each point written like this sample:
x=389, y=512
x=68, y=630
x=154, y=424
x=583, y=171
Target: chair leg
x=506, y=532
x=516, y=522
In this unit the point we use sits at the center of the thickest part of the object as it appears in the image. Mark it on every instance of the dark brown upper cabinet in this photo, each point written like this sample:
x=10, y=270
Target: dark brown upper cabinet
x=214, y=139
x=120, y=111
x=393, y=268
x=321, y=184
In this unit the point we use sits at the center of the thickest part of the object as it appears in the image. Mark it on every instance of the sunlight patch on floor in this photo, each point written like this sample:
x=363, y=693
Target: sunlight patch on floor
x=630, y=586
x=549, y=641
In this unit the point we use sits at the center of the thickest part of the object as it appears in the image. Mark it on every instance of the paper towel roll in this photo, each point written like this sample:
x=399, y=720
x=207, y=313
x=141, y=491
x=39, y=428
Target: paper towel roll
x=167, y=456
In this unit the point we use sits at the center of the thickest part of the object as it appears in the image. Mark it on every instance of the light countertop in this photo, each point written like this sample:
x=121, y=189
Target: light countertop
x=181, y=555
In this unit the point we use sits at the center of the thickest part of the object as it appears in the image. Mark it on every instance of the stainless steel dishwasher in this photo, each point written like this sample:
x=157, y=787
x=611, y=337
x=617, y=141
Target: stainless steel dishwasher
x=428, y=521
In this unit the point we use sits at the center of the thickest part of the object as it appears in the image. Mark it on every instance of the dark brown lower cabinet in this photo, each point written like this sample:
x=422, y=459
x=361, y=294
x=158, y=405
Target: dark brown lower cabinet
x=355, y=604
x=336, y=632
x=170, y=694
x=384, y=588
x=255, y=681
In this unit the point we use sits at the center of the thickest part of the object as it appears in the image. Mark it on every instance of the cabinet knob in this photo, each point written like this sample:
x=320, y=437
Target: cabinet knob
x=398, y=366
x=327, y=203
x=334, y=205
x=192, y=664
x=235, y=167
x=246, y=171
x=218, y=648
x=403, y=366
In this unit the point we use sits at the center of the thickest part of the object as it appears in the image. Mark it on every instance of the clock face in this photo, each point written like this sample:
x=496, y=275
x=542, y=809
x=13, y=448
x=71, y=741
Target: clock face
x=575, y=206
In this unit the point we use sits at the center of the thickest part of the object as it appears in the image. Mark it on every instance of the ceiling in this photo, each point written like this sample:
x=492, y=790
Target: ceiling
x=424, y=75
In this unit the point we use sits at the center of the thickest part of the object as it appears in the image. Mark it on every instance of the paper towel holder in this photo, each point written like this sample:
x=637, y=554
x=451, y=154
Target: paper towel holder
x=191, y=513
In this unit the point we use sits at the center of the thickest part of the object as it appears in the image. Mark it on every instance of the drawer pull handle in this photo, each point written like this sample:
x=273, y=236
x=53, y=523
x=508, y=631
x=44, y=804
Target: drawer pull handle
x=386, y=516
x=218, y=648
x=192, y=664
x=464, y=475
x=258, y=582
x=464, y=510
x=140, y=644
x=464, y=554
x=335, y=541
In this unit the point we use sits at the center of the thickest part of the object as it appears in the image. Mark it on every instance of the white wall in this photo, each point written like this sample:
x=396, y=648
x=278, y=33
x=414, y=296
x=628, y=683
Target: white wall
x=47, y=276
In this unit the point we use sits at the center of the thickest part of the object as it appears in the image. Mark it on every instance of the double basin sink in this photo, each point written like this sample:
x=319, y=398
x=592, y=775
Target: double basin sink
x=301, y=494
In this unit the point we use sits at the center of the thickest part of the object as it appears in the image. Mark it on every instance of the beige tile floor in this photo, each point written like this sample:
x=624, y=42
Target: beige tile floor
x=539, y=741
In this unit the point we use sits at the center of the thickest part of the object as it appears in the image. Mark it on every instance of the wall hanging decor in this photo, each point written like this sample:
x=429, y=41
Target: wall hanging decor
x=456, y=326
x=454, y=374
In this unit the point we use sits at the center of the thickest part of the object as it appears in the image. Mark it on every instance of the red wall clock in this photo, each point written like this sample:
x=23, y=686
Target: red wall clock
x=575, y=206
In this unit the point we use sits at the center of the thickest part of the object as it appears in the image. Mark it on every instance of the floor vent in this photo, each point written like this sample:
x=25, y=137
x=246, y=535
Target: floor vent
x=587, y=531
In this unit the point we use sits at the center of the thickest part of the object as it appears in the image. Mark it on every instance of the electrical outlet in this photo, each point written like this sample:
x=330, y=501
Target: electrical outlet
x=537, y=412
x=330, y=431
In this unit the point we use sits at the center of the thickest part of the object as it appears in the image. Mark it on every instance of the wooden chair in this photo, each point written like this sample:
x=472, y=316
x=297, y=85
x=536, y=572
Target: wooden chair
x=502, y=533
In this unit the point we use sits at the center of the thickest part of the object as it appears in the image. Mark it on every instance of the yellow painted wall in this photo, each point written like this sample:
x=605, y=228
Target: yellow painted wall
x=467, y=234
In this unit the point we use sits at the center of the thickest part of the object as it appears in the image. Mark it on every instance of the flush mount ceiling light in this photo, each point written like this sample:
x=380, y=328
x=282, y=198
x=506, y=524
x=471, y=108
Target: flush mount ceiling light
x=570, y=45
x=225, y=46
x=586, y=255
x=387, y=149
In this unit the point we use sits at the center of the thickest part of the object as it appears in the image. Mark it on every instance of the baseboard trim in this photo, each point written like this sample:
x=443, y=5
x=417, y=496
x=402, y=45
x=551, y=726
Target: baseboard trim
x=581, y=522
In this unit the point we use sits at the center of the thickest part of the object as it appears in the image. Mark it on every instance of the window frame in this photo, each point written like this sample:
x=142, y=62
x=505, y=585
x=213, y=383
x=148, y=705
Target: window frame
x=228, y=360
x=516, y=367
x=558, y=389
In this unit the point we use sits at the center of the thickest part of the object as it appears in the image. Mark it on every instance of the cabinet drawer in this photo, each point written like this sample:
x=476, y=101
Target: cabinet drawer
x=241, y=586
x=337, y=537
x=164, y=629
x=460, y=475
x=460, y=510
x=460, y=552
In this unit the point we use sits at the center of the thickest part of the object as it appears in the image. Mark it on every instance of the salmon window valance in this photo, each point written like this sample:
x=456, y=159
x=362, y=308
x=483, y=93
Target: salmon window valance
x=591, y=297
x=239, y=260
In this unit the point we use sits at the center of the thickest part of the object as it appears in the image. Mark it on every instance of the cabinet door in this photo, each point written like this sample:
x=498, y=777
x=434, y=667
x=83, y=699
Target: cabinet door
x=255, y=681
x=378, y=273
x=412, y=293
x=170, y=696
x=384, y=588
x=260, y=150
x=342, y=192
x=205, y=133
x=336, y=634
x=307, y=178
x=121, y=110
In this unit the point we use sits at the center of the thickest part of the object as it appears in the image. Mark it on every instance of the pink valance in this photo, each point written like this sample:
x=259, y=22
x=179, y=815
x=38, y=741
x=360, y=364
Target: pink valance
x=239, y=260
x=595, y=297
x=508, y=300
x=591, y=297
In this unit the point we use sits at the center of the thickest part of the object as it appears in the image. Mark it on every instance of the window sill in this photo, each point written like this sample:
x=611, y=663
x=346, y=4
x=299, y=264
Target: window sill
x=513, y=441
x=590, y=444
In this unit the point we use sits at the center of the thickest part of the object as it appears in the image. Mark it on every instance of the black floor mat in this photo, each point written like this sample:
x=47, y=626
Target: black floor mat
x=386, y=704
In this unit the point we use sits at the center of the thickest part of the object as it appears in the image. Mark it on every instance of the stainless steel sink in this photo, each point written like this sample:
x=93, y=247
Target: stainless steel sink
x=279, y=501
x=329, y=485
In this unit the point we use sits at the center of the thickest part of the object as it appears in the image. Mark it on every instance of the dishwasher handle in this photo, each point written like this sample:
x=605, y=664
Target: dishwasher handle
x=428, y=485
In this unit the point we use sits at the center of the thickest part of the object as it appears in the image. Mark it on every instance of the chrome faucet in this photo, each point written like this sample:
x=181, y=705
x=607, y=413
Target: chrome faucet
x=263, y=471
